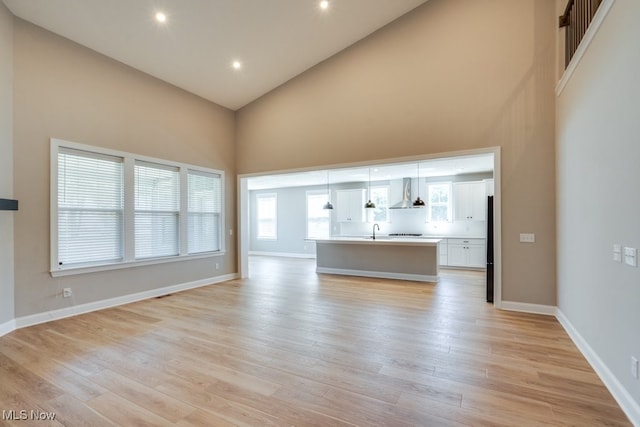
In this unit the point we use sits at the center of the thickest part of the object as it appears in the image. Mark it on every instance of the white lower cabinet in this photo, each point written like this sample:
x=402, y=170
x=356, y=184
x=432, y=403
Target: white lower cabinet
x=466, y=253
x=443, y=251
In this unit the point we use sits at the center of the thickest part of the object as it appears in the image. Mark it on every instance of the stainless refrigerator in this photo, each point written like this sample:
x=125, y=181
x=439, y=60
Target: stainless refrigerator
x=490, y=249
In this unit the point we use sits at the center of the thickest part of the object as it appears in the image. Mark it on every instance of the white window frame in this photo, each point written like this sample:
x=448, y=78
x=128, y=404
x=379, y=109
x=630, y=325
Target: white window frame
x=449, y=203
x=306, y=199
x=129, y=259
x=275, y=217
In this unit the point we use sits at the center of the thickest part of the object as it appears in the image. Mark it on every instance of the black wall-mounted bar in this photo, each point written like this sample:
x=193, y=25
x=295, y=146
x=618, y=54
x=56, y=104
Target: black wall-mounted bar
x=8, y=205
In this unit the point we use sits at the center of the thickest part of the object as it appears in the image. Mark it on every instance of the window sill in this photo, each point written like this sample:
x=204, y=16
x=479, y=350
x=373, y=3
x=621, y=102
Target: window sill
x=121, y=265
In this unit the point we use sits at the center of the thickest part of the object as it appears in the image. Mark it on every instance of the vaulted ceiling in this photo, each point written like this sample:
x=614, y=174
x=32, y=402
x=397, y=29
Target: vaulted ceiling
x=196, y=46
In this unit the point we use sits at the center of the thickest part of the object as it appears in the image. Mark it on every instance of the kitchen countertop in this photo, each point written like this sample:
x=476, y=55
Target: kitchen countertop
x=382, y=240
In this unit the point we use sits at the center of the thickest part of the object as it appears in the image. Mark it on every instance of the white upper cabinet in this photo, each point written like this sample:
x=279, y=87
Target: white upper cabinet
x=469, y=200
x=350, y=205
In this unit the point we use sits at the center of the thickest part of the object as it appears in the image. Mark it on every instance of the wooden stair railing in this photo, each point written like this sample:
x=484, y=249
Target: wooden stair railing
x=576, y=18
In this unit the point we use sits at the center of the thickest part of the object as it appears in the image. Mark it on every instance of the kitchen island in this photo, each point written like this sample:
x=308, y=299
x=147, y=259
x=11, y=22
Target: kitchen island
x=391, y=258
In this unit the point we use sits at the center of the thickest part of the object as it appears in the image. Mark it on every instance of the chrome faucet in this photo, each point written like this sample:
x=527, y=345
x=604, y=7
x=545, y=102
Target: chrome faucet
x=374, y=230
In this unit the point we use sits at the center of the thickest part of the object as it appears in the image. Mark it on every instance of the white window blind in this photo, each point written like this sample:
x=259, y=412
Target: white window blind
x=157, y=210
x=205, y=205
x=267, y=220
x=318, y=225
x=90, y=208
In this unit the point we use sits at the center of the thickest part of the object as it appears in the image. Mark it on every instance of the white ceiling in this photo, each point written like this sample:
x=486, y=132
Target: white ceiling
x=275, y=40
x=389, y=171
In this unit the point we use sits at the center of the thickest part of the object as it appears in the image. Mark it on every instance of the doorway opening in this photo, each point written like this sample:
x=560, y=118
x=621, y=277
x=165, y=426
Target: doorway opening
x=281, y=212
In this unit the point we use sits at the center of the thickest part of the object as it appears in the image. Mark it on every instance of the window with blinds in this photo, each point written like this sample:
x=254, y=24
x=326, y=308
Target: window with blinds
x=90, y=208
x=112, y=209
x=157, y=210
x=205, y=206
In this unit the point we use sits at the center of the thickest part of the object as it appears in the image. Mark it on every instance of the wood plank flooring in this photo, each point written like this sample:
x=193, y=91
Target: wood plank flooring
x=288, y=347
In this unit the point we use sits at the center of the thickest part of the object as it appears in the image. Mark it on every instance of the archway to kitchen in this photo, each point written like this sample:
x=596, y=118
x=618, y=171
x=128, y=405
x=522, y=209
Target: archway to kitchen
x=465, y=175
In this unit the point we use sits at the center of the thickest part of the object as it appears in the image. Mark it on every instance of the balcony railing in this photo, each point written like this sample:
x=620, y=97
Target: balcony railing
x=576, y=18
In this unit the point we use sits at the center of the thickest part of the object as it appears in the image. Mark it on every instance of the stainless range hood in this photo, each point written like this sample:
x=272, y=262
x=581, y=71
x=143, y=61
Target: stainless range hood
x=406, y=202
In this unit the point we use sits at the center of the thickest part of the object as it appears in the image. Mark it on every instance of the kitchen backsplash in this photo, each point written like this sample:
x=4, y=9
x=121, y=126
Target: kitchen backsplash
x=413, y=221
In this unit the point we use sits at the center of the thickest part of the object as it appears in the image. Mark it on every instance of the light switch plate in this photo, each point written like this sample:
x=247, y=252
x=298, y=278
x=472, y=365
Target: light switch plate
x=617, y=253
x=527, y=238
x=634, y=367
x=631, y=256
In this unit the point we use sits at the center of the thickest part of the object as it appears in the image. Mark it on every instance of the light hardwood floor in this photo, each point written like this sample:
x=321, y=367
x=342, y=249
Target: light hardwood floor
x=289, y=347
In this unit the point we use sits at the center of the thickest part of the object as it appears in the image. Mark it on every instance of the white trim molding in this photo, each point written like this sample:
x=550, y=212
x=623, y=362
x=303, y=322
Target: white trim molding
x=547, y=310
x=630, y=407
x=7, y=327
x=591, y=32
x=380, y=274
x=35, y=319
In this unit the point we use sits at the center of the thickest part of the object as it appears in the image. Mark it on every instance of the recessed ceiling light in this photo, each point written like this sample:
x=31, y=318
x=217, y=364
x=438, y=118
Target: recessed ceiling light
x=236, y=65
x=324, y=4
x=161, y=17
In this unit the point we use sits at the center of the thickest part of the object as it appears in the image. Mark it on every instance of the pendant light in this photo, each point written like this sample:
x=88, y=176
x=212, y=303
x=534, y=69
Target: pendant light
x=370, y=204
x=328, y=205
x=418, y=202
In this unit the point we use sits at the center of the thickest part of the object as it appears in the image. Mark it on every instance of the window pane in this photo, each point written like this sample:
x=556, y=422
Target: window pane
x=439, y=213
x=157, y=187
x=204, y=232
x=318, y=226
x=379, y=196
x=90, y=207
x=205, y=201
x=439, y=202
x=156, y=234
x=157, y=205
x=89, y=237
x=267, y=207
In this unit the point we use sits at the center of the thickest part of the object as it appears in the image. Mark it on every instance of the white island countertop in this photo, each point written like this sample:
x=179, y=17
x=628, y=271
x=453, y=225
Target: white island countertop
x=382, y=240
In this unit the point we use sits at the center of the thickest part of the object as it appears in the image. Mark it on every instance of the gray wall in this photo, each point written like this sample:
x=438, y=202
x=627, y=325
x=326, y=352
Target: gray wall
x=450, y=75
x=6, y=164
x=66, y=91
x=598, y=154
x=291, y=226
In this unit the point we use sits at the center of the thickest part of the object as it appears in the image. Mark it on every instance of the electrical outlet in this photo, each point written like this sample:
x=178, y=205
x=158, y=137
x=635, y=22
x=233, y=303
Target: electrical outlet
x=231, y=232
x=634, y=367
x=217, y=265
x=66, y=293
x=527, y=237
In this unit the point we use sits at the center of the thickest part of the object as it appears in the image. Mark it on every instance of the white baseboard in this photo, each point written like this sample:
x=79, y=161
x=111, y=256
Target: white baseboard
x=548, y=310
x=22, y=322
x=630, y=407
x=282, y=254
x=380, y=274
x=7, y=327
